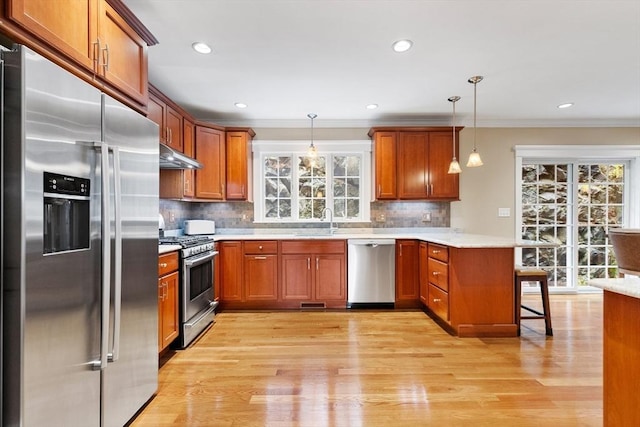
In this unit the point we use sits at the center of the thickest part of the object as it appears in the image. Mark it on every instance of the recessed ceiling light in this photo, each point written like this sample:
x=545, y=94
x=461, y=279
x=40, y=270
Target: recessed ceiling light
x=201, y=47
x=240, y=105
x=402, y=45
x=567, y=105
x=372, y=106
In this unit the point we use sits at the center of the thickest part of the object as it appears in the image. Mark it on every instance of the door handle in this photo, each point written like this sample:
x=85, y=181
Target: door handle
x=117, y=262
x=106, y=257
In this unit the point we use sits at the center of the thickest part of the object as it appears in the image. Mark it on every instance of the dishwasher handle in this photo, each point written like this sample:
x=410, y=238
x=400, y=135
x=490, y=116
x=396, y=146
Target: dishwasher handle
x=372, y=243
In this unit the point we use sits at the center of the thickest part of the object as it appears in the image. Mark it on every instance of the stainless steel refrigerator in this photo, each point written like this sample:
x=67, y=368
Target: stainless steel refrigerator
x=79, y=250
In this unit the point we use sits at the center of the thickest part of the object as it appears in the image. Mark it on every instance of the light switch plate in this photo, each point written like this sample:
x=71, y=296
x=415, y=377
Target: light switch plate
x=504, y=212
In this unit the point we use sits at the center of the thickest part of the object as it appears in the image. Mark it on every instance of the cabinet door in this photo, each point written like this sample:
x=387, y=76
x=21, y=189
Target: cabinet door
x=296, y=277
x=330, y=277
x=407, y=272
x=231, y=271
x=261, y=277
x=210, y=180
x=123, y=55
x=173, y=120
x=188, y=145
x=168, y=309
x=423, y=254
x=442, y=184
x=69, y=26
x=384, y=149
x=155, y=113
x=237, y=165
x=412, y=165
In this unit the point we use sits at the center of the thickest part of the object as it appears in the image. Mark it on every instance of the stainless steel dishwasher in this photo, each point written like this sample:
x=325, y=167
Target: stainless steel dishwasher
x=371, y=273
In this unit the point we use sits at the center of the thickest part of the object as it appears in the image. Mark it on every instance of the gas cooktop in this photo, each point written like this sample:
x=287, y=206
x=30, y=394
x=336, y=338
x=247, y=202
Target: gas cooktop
x=185, y=241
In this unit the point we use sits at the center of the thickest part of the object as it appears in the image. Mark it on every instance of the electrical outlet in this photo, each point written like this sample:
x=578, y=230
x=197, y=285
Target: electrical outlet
x=244, y=217
x=426, y=217
x=381, y=218
x=172, y=216
x=504, y=212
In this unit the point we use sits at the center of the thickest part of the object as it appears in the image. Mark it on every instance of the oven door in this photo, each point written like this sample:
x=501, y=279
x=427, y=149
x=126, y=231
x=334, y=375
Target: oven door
x=197, y=284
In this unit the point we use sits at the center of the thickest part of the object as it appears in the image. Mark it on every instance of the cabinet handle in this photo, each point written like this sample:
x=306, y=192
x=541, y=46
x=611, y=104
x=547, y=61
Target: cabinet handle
x=260, y=257
x=170, y=135
x=437, y=300
x=96, y=55
x=163, y=264
x=317, y=264
x=435, y=251
x=242, y=190
x=379, y=190
x=435, y=273
x=105, y=63
x=308, y=263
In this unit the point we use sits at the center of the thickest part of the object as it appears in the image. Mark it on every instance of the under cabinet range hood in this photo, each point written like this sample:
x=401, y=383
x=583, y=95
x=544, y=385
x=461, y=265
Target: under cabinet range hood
x=172, y=159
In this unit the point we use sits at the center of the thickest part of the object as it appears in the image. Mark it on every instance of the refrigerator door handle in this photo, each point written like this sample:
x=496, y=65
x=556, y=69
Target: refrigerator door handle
x=106, y=257
x=117, y=293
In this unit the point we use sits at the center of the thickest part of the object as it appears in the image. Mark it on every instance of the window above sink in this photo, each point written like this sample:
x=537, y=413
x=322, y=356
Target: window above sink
x=292, y=187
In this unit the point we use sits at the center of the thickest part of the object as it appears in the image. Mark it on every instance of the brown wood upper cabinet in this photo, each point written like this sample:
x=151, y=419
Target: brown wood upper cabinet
x=239, y=163
x=210, y=151
x=413, y=163
x=168, y=119
x=101, y=36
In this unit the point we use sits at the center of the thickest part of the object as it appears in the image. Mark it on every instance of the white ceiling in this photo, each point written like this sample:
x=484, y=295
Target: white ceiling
x=288, y=58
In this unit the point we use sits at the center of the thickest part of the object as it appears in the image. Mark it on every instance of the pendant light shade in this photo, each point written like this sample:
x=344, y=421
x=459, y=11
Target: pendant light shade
x=454, y=166
x=474, y=157
x=312, y=151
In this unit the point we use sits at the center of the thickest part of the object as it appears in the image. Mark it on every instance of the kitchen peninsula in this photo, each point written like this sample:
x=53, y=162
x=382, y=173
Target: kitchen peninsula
x=621, y=318
x=464, y=281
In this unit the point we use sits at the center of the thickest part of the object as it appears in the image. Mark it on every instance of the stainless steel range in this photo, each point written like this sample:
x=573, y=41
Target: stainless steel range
x=197, y=301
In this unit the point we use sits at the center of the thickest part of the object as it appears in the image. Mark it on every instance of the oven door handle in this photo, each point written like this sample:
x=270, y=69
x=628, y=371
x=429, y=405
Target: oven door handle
x=194, y=261
x=211, y=309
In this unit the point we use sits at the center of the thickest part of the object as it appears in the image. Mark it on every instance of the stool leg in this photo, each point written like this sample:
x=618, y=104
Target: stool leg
x=544, y=291
x=518, y=292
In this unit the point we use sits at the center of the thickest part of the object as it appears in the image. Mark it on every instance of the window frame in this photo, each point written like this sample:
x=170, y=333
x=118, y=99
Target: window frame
x=294, y=149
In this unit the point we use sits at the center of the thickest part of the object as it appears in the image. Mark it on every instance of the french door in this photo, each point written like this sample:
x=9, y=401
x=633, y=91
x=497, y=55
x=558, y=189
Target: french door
x=572, y=204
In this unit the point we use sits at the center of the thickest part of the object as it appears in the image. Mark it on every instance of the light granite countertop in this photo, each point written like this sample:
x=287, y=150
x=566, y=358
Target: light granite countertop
x=443, y=236
x=629, y=285
x=439, y=235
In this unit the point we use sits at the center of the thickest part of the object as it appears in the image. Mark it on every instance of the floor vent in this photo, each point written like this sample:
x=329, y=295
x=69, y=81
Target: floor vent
x=312, y=305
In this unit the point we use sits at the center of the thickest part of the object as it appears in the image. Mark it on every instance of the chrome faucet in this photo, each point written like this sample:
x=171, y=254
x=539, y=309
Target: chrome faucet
x=332, y=228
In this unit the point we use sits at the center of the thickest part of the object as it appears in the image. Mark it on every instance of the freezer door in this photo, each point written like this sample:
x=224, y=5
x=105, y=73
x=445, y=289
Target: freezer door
x=51, y=301
x=131, y=377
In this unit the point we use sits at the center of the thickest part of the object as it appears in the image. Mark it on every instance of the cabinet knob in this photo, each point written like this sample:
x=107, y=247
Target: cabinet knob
x=260, y=247
x=163, y=264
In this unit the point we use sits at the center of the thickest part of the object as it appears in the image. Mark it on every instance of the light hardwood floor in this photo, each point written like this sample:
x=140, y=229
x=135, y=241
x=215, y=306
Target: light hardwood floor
x=384, y=368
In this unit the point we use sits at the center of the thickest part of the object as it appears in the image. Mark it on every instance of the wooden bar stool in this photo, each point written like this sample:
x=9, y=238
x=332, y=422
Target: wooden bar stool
x=533, y=275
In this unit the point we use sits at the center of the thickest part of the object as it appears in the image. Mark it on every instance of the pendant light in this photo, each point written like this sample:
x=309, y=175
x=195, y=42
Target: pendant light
x=474, y=157
x=312, y=151
x=454, y=166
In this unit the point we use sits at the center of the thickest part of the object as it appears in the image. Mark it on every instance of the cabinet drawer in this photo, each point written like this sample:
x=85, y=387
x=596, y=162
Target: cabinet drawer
x=438, y=252
x=439, y=302
x=167, y=263
x=316, y=246
x=261, y=247
x=439, y=274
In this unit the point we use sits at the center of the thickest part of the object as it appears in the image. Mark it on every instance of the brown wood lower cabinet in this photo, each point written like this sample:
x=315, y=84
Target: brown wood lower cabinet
x=313, y=273
x=261, y=272
x=407, y=274
x=168, y=328
x=271, y=274
x=470, y=290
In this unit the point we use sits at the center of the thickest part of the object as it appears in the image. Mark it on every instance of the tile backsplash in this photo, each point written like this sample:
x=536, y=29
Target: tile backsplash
x=240, y=215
